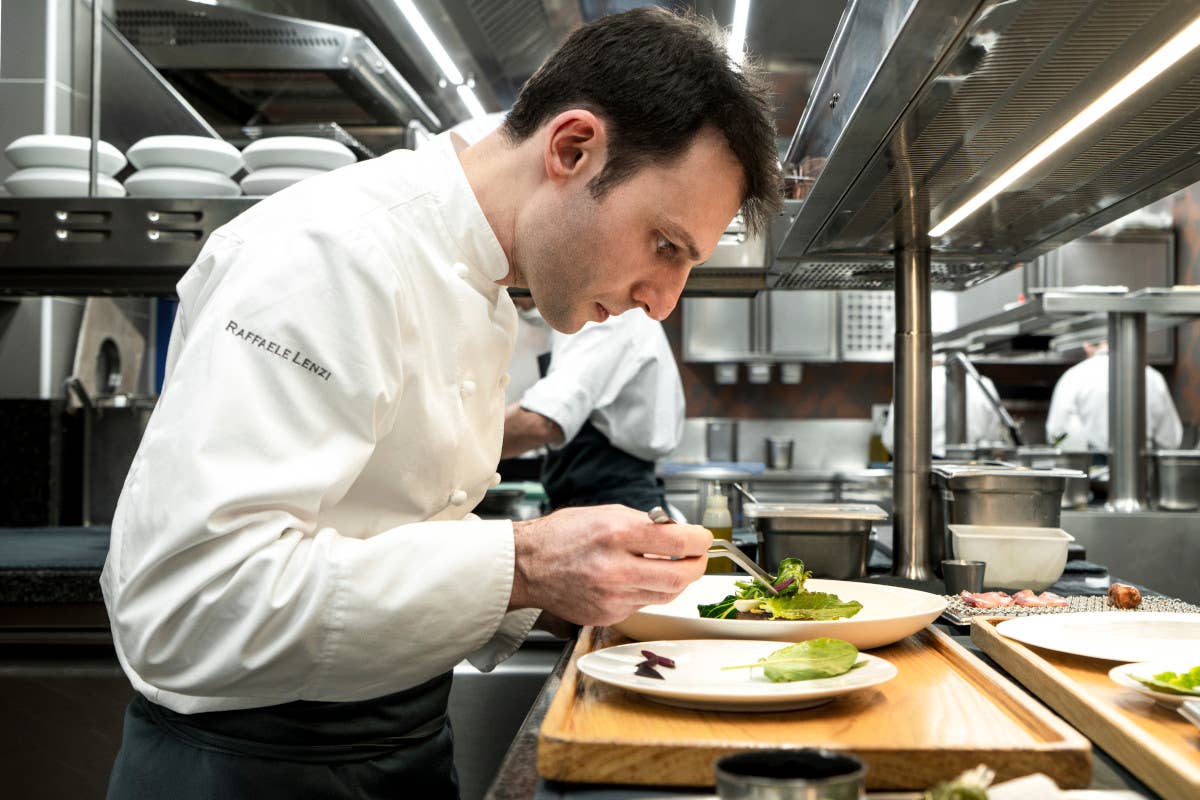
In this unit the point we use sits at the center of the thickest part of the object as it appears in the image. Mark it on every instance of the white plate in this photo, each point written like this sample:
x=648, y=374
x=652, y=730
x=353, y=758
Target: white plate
x=1115, y=636
x=272, y=179
x=697, y=681
x=59, y=182
x=889, y=613
x=180, y=182
x=53, y=150
x=1124, y=676
x=195, y=152
x=297, y=151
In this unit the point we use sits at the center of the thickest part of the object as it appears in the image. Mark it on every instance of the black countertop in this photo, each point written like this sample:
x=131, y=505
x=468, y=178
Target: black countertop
x=52, y=565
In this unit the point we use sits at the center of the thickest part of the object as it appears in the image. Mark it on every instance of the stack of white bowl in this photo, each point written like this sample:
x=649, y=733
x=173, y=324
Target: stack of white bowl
x=53, y=165
x=277, y=162
x=183, y=166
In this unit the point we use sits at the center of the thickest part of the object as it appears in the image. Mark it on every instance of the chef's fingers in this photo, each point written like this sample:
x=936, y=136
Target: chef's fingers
x=662, y=576
x=672, y=541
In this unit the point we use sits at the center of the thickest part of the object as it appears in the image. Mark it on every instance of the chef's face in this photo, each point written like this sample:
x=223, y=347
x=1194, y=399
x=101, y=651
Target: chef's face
x=585, y=259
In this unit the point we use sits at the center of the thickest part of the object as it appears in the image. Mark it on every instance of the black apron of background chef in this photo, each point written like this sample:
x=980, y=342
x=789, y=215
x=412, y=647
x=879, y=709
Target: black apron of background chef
x=394, y=747
x=590, y=471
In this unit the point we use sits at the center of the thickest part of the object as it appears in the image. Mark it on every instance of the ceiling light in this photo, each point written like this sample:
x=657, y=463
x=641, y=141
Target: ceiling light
x=736, y=44
x=467, y=95
x=1158, y=62
x=427, y=37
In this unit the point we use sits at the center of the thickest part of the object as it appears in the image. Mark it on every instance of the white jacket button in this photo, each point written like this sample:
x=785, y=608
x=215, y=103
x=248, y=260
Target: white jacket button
x=495, y=480
x=461, y=269
x=467, y=388
x=505, y=379
x=458, y=497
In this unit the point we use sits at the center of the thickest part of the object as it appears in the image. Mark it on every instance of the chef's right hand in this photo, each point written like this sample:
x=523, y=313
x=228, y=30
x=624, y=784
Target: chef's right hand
x=589, y=566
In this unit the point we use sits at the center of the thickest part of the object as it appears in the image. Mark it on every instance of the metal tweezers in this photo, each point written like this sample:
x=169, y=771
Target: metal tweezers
x=720, y=548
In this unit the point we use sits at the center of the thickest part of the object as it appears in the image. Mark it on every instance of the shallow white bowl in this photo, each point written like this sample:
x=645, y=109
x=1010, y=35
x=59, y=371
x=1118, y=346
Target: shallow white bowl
x=1124, y=676
x=272, y=179
x=297, y=151
x=180, y=182
x=889, y=613
x=59, y=182
x=56, y=150
x=195, y=152
x=1017, y=558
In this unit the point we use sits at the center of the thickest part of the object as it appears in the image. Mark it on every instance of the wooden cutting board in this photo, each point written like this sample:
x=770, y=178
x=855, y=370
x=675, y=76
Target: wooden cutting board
x=1154, y=743
x=945, y=712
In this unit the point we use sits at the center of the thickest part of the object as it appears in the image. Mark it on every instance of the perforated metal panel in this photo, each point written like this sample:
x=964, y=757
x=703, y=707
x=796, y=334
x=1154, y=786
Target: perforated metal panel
x=867, y=326
x=878, y=275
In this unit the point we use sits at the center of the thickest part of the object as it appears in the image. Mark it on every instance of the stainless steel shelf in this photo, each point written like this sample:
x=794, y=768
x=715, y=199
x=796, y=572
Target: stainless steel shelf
x=93, y=246
x=1067, y=319
x=920, y=104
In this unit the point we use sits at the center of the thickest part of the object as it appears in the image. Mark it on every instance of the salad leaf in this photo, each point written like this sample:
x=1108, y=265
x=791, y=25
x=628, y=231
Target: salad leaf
x=811, y=605
x=791, y=569
x=1174, y=683
x=722, y=610
x=815, y=658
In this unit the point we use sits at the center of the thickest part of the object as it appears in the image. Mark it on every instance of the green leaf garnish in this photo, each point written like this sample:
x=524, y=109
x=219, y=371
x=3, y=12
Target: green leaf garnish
x=815, y=658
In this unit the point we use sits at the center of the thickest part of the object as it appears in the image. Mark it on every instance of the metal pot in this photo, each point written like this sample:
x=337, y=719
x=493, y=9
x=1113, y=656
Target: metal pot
x=1078, y=490
x=779, y=452
x=833, y=540
x=1176, y=483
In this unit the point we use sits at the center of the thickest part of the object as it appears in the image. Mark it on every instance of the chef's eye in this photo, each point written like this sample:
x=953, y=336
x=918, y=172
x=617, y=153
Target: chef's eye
x=666, y=246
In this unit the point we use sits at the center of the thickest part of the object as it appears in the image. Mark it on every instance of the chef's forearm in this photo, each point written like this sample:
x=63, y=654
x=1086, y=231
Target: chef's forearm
x=527, y=430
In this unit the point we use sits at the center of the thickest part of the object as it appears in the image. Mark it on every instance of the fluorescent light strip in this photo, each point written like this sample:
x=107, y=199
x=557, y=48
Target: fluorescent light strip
x=427, y=37
x=467, y=95
x=736, y=44
x=1158, y=62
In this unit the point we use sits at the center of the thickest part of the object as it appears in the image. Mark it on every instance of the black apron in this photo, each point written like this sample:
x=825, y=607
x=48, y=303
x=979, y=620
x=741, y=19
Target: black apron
x=590, y=471
x=396, y=746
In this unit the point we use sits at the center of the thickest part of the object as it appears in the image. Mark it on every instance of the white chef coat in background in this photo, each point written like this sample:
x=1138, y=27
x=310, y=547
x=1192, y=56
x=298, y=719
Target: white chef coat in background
x=1079, y=408
x=983, y=423
x=533, y=340
x=621, y=375
x=295, y=522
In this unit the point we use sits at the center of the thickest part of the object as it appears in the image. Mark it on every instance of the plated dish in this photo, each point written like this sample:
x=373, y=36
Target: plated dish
x=888, y=614
x=1145, y=636
x=699, y=679
x=1135, y=676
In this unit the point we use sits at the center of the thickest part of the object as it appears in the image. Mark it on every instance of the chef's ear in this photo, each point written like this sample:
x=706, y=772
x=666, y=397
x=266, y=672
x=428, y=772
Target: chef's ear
x=575, y=146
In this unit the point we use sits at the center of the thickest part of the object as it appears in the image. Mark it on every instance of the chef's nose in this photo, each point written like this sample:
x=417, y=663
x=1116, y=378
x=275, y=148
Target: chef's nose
x=660, y=295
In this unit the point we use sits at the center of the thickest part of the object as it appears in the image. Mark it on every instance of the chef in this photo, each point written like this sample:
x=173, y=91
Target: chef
x=611, y=402
x=1078, y=416
x=293, y=571
x=983, y=423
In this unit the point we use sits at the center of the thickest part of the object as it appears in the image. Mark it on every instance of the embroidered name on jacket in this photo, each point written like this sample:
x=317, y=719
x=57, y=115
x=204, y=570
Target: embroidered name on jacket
x=275, y=348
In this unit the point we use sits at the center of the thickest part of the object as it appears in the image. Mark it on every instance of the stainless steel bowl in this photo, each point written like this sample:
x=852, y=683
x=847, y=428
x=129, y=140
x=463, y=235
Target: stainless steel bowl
x=1078, y=490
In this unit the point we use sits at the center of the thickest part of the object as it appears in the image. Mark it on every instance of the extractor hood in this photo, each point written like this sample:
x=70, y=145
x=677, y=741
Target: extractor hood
x=253, y=68
x=921, y=105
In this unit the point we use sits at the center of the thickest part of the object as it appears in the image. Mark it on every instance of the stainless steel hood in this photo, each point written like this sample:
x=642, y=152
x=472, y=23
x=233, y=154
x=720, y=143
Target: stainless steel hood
x=254, y=68
x=921, y=103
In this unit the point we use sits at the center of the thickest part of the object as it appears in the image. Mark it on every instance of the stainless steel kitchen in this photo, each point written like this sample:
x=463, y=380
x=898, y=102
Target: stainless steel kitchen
x=600, y=399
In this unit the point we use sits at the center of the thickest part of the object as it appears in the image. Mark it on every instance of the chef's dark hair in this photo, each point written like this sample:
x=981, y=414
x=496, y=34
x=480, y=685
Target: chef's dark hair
x=656, y=78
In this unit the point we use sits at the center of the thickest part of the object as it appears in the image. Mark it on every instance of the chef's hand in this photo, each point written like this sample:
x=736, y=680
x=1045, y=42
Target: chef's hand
x=589, y=565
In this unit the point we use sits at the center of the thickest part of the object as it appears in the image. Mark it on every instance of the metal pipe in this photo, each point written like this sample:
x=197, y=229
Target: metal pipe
x=1126, y=411
x=956, y=401
x=94, y=101
x=913, y=364
x=1014, y=430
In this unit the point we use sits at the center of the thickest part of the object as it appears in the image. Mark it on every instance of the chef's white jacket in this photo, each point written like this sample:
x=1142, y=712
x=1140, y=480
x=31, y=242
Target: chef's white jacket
x=983, y=423
x=295, y=522
x=1079, y=408
x=621, y=375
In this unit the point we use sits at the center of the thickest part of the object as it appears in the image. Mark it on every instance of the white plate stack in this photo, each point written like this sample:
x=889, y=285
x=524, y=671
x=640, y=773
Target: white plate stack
x=277, y=162
x=52, y=165
x=183, y=166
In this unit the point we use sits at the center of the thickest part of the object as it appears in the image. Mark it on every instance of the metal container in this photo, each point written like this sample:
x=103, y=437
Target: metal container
x=1176, y=479
x=779, y=452
x=1077, y=492
x=832, y=539
x=720, y=440
x=993, y=495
